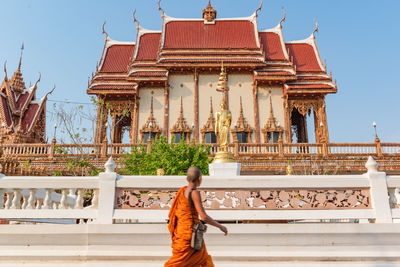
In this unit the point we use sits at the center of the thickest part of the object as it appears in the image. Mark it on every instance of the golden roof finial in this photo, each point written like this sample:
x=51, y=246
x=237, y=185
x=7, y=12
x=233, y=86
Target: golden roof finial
x=259, y=8
x=271, y=118
x=159, y=8
x=103, y=31
x=211, y=106
x=5, y=69
x=209, y=13
x=283, y=18
x=135, y=20
x=316, y=28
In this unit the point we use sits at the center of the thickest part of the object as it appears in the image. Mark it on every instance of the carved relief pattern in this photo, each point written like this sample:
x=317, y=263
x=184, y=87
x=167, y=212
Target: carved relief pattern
x=119, y=108
x=304, y=106
x=251, y=199
x=135, y=199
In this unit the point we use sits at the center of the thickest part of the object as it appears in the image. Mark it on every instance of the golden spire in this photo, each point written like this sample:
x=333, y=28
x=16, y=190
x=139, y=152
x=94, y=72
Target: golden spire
x=20, y=57
x=271, y=119
x=181, y=126
x=223, y=81
x=17, y=82
x=209, y=13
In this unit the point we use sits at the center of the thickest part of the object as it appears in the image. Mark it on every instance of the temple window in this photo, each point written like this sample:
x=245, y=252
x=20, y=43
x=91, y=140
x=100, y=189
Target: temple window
x=210, y=138
x=181, y=130
x=242, y=137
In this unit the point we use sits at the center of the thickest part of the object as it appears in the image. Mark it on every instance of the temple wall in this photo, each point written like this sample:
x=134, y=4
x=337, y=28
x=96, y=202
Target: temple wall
x=264, y=105
x=181, y=85
x=241, y=85
x=144, y=107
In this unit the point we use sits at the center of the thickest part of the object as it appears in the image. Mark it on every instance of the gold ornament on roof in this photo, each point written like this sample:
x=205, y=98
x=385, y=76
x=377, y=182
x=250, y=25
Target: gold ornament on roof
x=209, y=13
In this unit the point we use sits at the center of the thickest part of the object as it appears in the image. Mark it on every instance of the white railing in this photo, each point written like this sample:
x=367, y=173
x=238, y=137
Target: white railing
x=241, y=198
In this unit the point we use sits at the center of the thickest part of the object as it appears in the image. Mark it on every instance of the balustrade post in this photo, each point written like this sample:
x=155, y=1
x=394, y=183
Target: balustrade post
x=236, y=150
x=324, y=149
x=107, y=193
x=52, y=148
x=379, y=192
x=280, y=145
x=103, y=150
x=378, y=146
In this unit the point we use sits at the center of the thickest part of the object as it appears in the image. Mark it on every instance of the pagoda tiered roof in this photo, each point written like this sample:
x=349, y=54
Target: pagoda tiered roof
x=186, y=44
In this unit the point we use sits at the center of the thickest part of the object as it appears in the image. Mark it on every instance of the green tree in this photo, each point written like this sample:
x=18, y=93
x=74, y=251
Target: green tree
x=174, y=159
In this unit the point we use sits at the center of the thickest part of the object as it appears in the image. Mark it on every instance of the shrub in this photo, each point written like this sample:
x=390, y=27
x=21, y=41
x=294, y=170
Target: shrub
x=174, y=159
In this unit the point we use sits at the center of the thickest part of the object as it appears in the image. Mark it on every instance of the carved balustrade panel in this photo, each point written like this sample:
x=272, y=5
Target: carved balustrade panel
x=275, y=199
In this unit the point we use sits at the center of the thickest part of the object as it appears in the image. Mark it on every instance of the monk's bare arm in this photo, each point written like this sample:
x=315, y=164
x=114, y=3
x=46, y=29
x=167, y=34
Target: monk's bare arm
x=203, y=215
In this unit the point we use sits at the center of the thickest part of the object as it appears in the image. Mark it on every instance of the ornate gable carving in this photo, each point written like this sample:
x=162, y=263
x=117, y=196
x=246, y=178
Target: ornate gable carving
x=151, y=125
x=181, y=126
x=241, y=125
x=272, y=125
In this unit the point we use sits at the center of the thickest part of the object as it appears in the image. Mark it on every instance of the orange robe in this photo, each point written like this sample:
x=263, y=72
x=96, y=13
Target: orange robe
x=180, y=227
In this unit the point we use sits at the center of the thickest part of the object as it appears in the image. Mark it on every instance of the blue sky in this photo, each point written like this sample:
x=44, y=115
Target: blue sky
x=358, y=39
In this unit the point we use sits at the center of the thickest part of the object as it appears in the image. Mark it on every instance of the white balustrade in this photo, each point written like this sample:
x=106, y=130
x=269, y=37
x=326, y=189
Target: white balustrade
x=58, y=198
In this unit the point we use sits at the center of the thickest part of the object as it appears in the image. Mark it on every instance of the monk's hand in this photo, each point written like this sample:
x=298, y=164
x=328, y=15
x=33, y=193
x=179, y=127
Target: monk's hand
x=205, y=228
x=224, y=229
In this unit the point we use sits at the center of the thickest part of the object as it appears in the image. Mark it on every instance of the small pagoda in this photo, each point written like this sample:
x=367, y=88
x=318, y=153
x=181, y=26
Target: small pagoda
x=22, y=115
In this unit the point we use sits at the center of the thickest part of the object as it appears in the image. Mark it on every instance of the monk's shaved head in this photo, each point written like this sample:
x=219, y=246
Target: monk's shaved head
x=193, y=174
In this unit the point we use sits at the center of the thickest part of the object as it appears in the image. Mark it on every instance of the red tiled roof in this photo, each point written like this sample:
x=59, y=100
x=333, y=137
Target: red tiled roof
x=117, y=58
x=197, y=35
x=272, y=46
x=148, y=46
x=28, y=117
x=304, y=57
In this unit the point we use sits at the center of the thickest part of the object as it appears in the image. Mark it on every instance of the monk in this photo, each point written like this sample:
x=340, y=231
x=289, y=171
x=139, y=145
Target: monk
x=180, y=225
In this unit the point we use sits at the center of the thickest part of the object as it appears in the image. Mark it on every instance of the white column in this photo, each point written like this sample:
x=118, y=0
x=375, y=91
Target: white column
x=106, y=193
x=379, y=192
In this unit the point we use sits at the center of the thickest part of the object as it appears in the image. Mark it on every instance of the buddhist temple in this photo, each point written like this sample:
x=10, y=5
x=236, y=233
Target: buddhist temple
x=164, y=82
x=22, y=115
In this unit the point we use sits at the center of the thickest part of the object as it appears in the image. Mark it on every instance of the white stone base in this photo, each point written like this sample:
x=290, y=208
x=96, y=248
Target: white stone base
x=224, y=169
